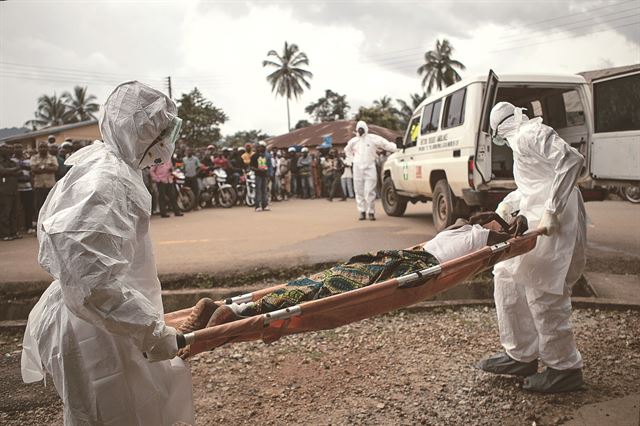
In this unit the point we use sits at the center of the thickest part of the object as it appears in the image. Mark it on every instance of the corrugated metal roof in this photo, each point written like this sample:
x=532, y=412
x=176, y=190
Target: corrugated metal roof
x=341, y=132
x=49, y=130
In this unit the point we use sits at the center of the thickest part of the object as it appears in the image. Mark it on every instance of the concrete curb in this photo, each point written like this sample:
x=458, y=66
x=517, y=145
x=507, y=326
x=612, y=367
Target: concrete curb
x=577, y=302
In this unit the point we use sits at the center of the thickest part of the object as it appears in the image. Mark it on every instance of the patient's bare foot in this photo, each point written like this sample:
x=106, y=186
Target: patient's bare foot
x=197, y=320
x=223, y=315
x=199, y=317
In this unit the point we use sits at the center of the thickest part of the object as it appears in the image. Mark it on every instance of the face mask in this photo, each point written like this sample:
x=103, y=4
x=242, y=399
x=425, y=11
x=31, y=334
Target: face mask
x=498, y=140
x=495, y=138
x=161, y=149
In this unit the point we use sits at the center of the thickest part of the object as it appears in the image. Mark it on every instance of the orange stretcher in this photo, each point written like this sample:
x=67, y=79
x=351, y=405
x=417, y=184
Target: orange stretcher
x=355, y=305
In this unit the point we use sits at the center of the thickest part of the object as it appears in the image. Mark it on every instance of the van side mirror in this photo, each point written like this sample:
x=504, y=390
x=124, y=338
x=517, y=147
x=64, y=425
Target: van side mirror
x=399, y=143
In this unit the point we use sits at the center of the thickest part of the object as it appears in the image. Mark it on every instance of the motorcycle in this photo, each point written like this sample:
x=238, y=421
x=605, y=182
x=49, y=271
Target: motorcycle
x=249, y=188
x=185, y=197
x=630, y=193
x=216, y=190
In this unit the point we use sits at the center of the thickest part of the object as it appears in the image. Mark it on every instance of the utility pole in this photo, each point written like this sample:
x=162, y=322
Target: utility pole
x=169, y=86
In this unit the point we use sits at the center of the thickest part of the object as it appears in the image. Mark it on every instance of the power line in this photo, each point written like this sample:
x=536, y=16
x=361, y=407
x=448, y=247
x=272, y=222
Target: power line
x=403, y=58
x=515, y=45
x=546, y=41
x=571, y=16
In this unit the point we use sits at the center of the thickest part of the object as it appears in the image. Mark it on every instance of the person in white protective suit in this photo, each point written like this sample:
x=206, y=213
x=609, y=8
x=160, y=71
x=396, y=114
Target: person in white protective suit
x=362, y=150
x=99, y=328
x=532, y=291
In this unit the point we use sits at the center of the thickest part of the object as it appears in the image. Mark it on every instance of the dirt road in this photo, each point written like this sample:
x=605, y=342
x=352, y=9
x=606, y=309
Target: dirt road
x=310, y=231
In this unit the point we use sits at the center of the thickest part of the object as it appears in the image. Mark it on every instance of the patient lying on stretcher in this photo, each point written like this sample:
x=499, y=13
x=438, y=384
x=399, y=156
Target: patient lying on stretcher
x=462, y=238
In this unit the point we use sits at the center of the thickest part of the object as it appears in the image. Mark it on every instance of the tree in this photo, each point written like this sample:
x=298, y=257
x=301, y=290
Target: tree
x=243, y=137
x=407, y=108
x=51, y=111
x=301, y=124
x=331, y=107
x=80, y=106
x=438, y=68
x=288, y=78
x=200, y=119
x=382, y=113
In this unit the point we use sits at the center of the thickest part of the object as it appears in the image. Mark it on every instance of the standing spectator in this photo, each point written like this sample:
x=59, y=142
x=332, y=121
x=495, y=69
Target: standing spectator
x=246, y=157
x=25, y=190
x=236, y=167
x=296, y=186
x=161, y=175
x=208, y=156
x=335, y=173
x=272, y=176
x=316, y=176
x=43, y=169
x=304, y=171
x=283, y=175
x=9, y=173
x=191, y=166
x=261, y=165
x=152, y=188
x=347, y=177
x=63, y=153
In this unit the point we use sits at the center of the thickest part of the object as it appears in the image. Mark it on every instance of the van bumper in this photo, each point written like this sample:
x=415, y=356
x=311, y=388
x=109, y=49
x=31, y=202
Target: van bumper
x=487, y=200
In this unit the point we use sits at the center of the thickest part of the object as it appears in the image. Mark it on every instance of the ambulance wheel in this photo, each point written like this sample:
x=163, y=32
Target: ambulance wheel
x=443, y=207
x=393, y=204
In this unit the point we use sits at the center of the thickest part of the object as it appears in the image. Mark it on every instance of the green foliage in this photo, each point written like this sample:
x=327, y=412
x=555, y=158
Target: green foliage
x=382, y=113
x=200, y=119
x=68, y=108
x=331, y=107
x=302, y=123
x=407, y=108
x=289, y=77
x=243, y=137
x=80, y=106
x=438, y=68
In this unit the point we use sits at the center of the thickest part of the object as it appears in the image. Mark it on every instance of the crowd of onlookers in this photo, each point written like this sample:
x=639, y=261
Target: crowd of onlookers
x=280, y=174
x=26, y=177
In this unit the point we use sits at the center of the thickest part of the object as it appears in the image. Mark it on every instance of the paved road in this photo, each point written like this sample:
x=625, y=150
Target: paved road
x=217, y=240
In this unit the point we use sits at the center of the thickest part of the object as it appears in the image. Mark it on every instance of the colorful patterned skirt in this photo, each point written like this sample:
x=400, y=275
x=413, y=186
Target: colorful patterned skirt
x=359, y=271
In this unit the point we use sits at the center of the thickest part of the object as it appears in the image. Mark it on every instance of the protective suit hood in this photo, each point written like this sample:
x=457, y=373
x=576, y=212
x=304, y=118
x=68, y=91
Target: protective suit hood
x=362, y=125
x=134, y=116
x=506, y=121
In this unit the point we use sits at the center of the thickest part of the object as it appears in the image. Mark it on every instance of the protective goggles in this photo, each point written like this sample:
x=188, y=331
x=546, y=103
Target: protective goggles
x=499, y=140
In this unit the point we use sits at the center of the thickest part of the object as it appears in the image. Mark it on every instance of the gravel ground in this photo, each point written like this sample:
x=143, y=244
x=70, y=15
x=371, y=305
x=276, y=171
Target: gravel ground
x=404, y=368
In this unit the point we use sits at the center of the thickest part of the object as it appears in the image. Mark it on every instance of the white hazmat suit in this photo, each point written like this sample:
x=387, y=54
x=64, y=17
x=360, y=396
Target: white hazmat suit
x=362, y=150
x=104, y=309
x=532, y=291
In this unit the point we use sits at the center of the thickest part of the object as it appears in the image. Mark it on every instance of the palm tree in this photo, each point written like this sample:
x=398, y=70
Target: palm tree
x=438, y=68
x=406, y=109
x=51, y=111
x=288, y=78
x=384, y=103
x=80, y=105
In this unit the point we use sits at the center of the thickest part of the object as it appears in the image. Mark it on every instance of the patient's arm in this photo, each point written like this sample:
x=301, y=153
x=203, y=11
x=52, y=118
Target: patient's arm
x=497, y=237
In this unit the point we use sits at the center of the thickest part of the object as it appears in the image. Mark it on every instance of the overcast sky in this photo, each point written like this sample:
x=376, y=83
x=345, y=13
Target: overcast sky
x=365, y=50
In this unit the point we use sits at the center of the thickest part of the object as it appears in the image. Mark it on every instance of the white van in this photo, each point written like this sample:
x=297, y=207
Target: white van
x=447, y=156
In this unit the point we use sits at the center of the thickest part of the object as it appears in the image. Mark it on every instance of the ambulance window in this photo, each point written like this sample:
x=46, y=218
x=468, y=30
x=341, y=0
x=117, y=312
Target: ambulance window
x=617, y=104
x=426, y=119
x=536, y=109
x=412, y=132
x=454, y=109
x=430, y=117
x=573, y=108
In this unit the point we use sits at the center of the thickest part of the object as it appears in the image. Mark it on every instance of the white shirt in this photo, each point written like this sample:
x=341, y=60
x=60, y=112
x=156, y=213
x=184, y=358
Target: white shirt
x=455, y=243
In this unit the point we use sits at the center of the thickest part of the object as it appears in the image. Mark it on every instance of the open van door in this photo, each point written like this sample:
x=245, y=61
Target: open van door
x=482, y=158
x=615, y=146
